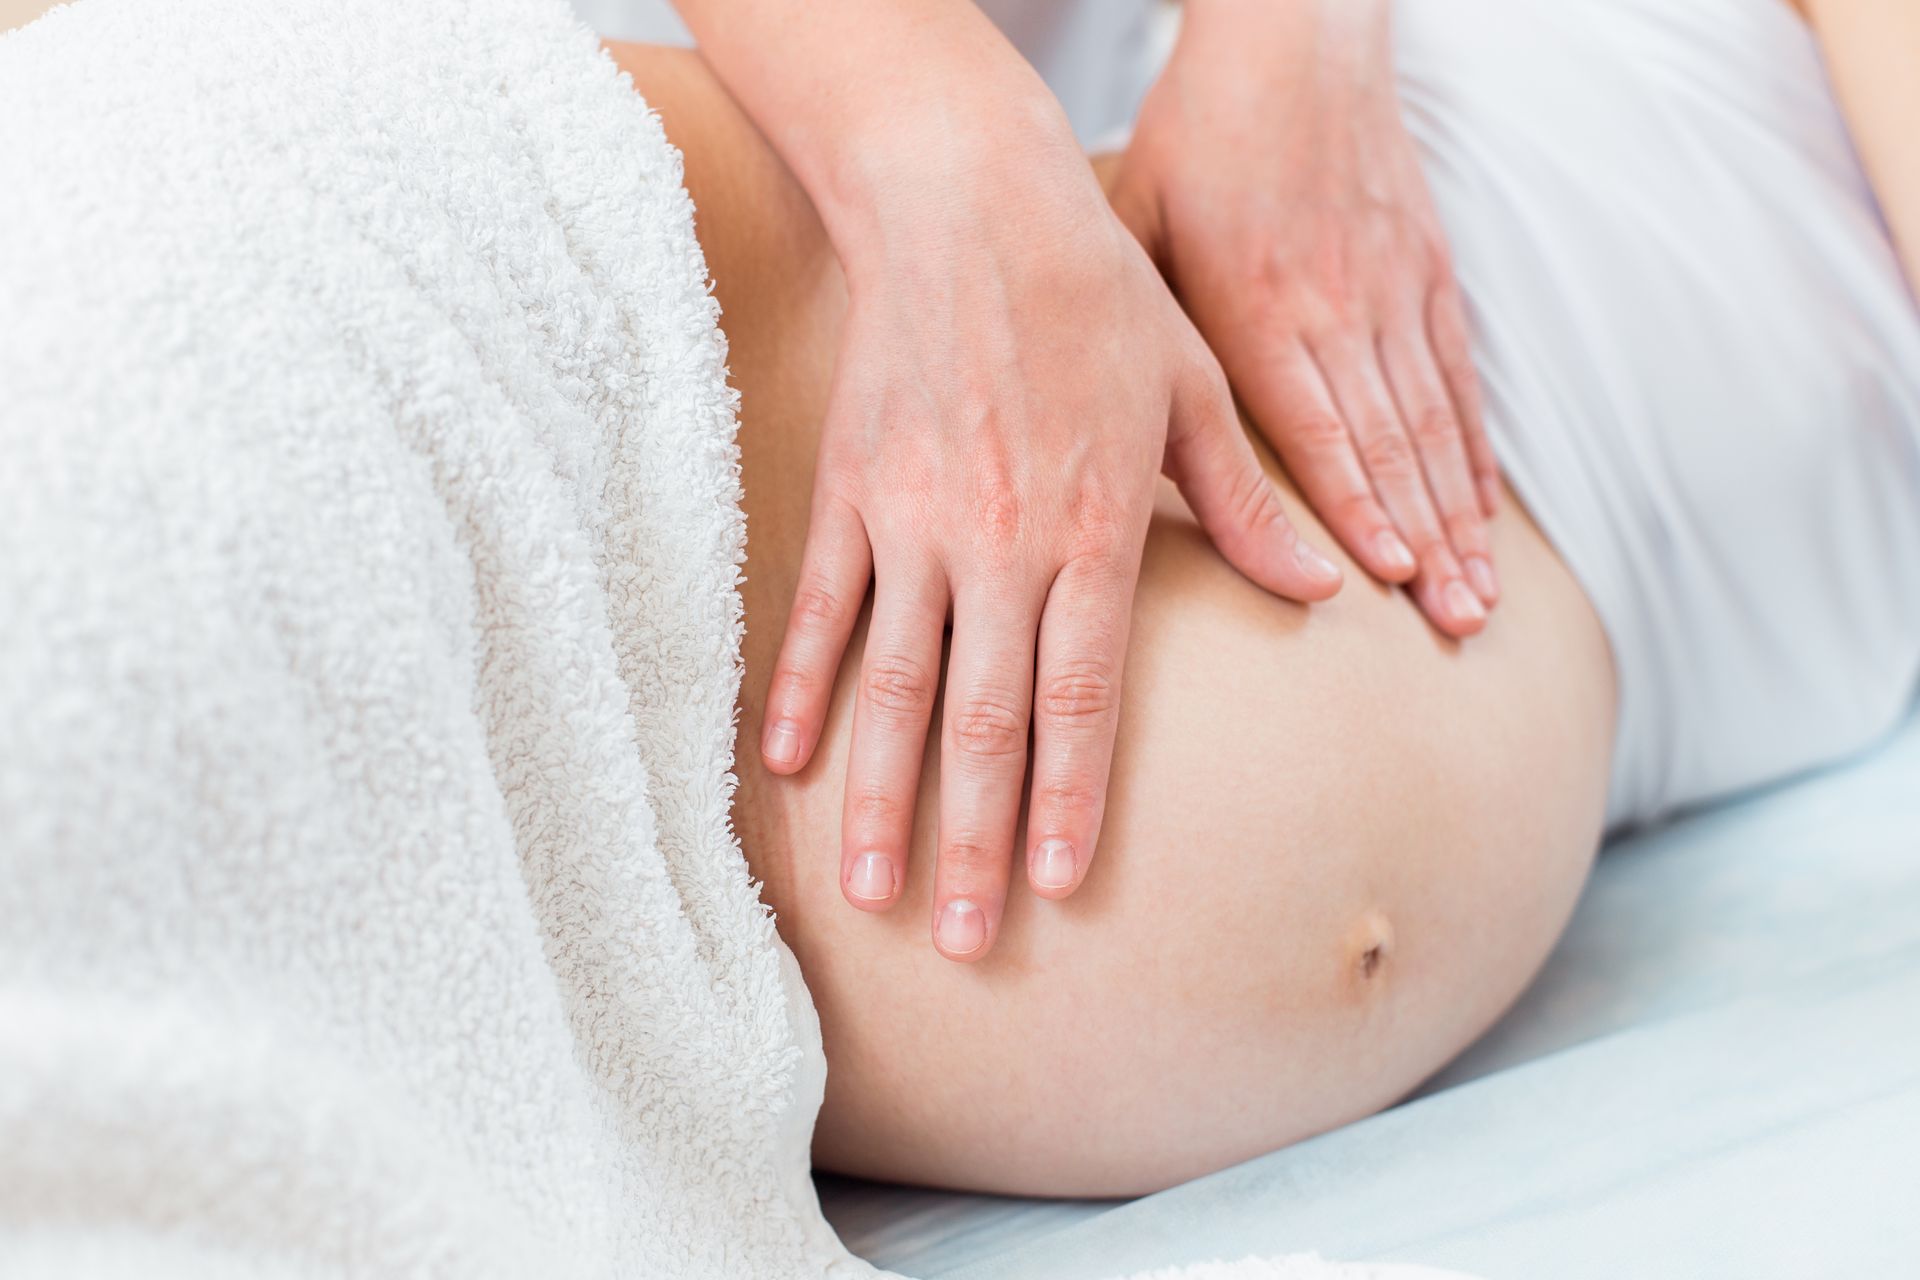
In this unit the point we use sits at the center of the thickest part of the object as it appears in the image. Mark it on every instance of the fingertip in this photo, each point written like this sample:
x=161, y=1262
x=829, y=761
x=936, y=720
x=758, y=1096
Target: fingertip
x=1053, y=869
x=1480, y=575
x=1284, y=565
x=1265, y=561
x=1457, y=610
x=1323, y=578
x=785, y=745
x=1390, y=558
x=960, y=931
x=1489, y=487
x=871, y=881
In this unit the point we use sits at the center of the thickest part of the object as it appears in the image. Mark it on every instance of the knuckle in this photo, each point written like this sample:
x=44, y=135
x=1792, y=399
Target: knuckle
x=1267, y=271
x=1270, y=278
x=970, y=858
x=1077, y=694
x=871, y=809
x=1328, y=272
x=1098, y=515
x=792, y=684
x=1101, y=571
x=1432, y=550
x=1318, y=431
x=1456, y=359
x=996, y=510
x=1332, y=338
x=1359, y=512
x=897, y=687
x=1067, y=796
x=1255, y=505
x=987, y=728
x=1099, y=525
x=1210, y=378
x=817, y=609
x=1465, y=531
x=1434, y=427
x=1387, y=452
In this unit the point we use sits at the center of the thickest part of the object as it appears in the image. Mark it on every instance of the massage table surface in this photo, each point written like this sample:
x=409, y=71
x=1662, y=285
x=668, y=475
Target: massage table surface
x=1716, y=1074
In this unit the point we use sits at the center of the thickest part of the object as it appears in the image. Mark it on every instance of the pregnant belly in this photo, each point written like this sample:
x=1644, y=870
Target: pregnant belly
x=1337, y=847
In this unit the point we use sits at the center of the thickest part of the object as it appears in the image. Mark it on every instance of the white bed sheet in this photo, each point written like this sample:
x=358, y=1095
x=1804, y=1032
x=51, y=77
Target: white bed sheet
x=1717, y=1074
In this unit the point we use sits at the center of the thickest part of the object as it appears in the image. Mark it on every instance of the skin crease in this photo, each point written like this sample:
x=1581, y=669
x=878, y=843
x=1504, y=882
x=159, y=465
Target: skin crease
x=1337, y=844
x=1011, y=378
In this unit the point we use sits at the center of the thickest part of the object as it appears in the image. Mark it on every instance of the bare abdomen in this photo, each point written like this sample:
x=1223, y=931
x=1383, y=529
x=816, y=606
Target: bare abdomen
x=1336, y=845
x=1336, y=848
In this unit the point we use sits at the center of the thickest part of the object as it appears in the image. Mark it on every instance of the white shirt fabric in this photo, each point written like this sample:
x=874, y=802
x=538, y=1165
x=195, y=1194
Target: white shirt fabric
x=1098, y=56
x=1702, y=365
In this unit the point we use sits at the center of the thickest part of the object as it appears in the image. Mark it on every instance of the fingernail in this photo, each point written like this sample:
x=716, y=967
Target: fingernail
x=1462, y=603
x=1480, y=574
x=1393, y=553
x=962, y=929
x=871, y=879
x=1051, y=866
x=1316, y=565
x=782, y=744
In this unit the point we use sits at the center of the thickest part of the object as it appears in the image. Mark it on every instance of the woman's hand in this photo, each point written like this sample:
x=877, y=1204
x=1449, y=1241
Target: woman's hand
x=1272, y=177
x=1013, y=377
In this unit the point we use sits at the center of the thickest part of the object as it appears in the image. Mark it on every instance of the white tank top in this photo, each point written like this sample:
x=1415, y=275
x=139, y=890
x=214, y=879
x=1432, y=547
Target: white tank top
x=1701, y=360
x=1098, y=56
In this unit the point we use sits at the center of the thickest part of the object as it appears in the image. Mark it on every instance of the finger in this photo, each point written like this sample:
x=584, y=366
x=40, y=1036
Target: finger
x=1392, y=461
x=1209, y=457
x=899, y=675
x=1290, y=402
x=1427, y=410
x=834, y=570
x=1076, y=713
x=983, y=761
x=1447, y=329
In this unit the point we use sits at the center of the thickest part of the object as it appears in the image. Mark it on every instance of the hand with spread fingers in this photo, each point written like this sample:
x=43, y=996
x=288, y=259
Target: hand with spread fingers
x=1012, y=377
x=1000, y=410
x=1272, y=177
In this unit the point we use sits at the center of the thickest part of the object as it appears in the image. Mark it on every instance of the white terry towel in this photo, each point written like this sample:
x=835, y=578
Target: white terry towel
x=369, y=535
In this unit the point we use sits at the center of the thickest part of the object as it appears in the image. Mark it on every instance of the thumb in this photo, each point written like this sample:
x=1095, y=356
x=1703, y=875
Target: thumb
x=1210, y=459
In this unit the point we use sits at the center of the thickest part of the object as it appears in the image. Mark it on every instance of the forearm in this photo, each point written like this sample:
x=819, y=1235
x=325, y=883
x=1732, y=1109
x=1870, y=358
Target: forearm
x=856, y=94
x=1872, y=48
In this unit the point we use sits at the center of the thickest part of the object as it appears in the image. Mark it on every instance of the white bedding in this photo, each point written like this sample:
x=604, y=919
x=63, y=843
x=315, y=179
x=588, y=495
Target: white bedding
x=1718, y=1074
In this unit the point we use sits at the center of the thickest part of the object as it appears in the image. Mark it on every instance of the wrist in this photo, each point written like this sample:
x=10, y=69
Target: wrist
x=1350, y=38
x=883, y=109
x=914, y=151
x=952, y=171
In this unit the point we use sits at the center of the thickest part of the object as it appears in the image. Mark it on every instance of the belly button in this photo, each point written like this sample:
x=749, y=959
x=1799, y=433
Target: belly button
x=1369, y=942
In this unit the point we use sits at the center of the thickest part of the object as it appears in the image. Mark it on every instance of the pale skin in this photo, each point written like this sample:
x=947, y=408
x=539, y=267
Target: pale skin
x=1272, y=946
x=1012, y=374
x=1872, y=48
x=1340, y=844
